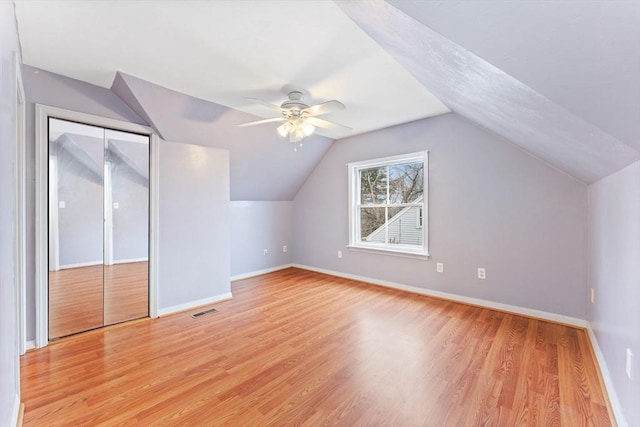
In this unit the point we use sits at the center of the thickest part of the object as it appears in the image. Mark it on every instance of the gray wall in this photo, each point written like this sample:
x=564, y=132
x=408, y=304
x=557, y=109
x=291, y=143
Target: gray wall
x=58, y=91
x=9, y=386
x=130, y=189
x=256, y=226
x=614, y=230
x=80, y=186
x=194, y=224
x=491, y=205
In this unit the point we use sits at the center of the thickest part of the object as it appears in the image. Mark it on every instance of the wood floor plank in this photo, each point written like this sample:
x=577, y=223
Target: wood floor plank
x=90, y=297
x=296, y=347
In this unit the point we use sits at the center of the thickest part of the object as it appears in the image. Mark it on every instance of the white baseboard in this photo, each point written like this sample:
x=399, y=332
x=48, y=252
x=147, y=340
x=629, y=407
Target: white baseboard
x=606, y=377
x=259, y=272
x=15, y=412
x=537, y=314
x=30, y=345
x=90, y=263
x=127, y=261
x=80, y=264
x=193, y=304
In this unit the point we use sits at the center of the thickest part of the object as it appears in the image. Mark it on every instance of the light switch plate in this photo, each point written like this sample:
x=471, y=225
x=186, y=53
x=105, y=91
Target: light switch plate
x=629, y=364
x=62, y=204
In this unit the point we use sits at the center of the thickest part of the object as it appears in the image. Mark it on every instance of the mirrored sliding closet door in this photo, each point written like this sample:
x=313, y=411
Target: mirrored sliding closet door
x=98, y=227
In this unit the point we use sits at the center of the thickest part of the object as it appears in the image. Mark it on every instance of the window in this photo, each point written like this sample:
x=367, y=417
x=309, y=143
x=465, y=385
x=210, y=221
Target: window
x=388, y=204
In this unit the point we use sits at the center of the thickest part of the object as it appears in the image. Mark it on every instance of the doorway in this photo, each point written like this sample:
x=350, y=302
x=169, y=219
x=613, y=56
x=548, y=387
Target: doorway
x=98, y=226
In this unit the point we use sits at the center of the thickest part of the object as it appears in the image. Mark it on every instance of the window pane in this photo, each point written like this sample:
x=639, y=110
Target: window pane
x=403, y=228
x=406, y=182
x=371, y=224
x=373, y=185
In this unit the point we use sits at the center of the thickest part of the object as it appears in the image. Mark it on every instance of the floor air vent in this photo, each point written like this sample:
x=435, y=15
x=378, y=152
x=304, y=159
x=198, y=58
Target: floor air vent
x=202, y=313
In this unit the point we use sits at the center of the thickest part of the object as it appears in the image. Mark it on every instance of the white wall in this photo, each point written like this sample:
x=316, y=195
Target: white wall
x=194, y=226
x=256, y=226
x=491, y=205
x=9, y=380
x=614, y=226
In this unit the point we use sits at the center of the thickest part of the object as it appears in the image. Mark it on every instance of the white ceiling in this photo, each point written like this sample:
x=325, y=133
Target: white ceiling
x=226, y=51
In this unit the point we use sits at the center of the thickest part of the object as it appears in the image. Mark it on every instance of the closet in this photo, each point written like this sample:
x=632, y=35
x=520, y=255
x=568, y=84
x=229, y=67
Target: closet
x=98, y=227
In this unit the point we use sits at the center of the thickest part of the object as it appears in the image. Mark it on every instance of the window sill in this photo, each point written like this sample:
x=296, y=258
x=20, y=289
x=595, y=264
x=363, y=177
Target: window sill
x=385, y=251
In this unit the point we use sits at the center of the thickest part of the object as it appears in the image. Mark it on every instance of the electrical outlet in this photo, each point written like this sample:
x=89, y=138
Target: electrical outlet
x=629, y=365
x=592, y=295
x=284, y=248
x=265, y=252
x=440, y=267
x=482, y=273
x=62, y=204
x=339, y=254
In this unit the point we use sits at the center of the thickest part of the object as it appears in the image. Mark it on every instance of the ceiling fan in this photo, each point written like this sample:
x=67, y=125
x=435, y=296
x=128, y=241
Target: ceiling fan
x=298, y=119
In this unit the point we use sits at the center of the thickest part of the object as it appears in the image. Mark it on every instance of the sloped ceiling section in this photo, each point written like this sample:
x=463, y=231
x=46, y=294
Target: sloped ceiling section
x=263, y=166
x=121, y=88
x=476, y=89
x=583, y=55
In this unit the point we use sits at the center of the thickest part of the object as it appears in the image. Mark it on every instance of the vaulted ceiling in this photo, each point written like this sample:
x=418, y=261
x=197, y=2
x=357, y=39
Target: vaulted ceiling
x=556, y=121
x=561, y=79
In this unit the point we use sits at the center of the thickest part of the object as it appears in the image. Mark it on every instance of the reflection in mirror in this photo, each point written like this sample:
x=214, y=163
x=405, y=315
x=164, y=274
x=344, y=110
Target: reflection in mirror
x=76, y=156
x=126, y=244
x=98, y=227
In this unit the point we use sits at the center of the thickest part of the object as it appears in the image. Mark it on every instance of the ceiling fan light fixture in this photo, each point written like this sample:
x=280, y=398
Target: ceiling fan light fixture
x=295, y=129
x=293, y=137
x=294, y=113
x=307, y=128
x=282, y=130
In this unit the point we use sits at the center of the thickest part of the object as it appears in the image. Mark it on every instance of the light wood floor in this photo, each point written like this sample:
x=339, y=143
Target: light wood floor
x=89, y=297
x=301, y=348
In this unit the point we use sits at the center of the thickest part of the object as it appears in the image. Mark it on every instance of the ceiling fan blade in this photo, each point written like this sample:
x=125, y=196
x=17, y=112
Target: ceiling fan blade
x=327, y=124
x=324, y=108
x=259, y=122
x=264, y=103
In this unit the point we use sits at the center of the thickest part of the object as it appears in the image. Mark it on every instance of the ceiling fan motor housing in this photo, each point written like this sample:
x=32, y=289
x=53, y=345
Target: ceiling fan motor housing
x=294, y=104
x=300, y=117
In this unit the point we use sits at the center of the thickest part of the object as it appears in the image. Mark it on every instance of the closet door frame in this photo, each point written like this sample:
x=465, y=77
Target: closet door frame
x=43, y=112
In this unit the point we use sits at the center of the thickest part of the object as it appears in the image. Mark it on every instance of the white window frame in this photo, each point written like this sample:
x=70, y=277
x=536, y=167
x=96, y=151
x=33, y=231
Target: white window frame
x=354, y=168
